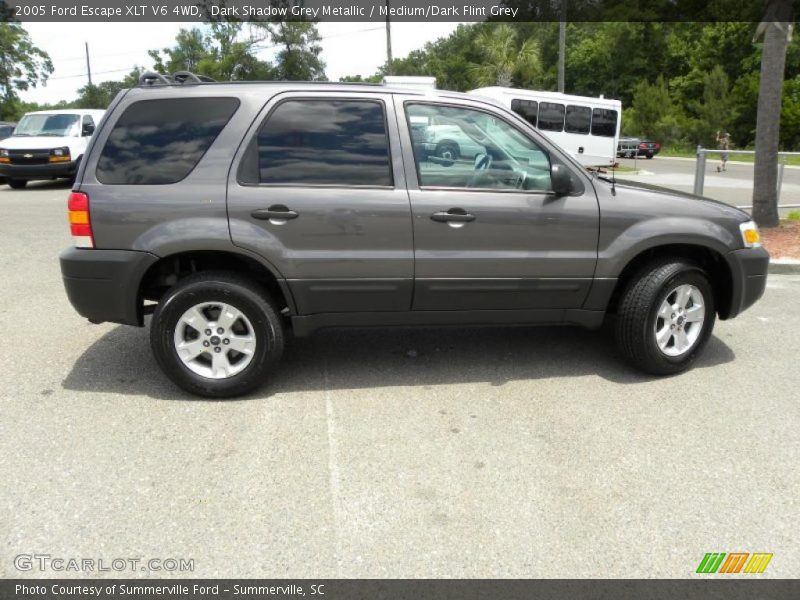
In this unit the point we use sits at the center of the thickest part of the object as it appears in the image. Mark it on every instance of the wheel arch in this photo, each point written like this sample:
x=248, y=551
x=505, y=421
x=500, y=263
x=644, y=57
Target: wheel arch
x=170, y=269
x=709, y=259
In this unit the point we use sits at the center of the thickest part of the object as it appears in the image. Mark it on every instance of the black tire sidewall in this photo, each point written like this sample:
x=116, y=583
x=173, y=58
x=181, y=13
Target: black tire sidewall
x=262, y=316
x=17, y=184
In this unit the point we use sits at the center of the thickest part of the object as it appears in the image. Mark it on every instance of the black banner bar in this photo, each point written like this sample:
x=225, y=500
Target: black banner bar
x=398, y=10
x=712, y=587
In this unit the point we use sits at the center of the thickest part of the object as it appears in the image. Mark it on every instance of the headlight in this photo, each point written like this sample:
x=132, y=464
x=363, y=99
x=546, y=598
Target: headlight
x=59, y=154
x=4, y=155
x=750, y=236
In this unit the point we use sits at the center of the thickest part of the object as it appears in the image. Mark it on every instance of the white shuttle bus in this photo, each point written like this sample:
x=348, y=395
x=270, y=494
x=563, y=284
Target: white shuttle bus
x=586, y=127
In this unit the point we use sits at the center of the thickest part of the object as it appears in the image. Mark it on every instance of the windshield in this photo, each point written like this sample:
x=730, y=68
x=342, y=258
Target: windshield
x=49, y=125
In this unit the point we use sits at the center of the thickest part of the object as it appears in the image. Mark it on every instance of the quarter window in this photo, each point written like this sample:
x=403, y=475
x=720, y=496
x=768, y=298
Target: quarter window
x=321, y=142
x=551, y=116
x=604, y=122
x=527, y=109
x=578, y=120
x=161, y=141
x=456, y=147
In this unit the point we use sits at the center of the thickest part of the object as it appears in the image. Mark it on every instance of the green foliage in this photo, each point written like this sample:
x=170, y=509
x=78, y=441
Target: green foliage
x=299, y=56
x=506, y=61
x=22, y=66
x=794, y=215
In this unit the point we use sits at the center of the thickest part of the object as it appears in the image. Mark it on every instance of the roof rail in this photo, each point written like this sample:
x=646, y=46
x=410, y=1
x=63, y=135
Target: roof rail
x=151, y=78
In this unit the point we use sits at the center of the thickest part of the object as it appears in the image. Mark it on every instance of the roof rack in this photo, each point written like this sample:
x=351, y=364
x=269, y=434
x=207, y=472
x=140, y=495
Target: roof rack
x=150, y=78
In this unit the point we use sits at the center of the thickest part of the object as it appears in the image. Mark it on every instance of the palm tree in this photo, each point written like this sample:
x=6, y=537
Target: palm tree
x=776, y=28
x=504, y=59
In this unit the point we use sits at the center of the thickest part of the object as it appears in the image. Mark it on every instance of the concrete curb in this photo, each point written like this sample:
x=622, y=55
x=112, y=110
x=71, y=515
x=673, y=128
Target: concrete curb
x=784, y=266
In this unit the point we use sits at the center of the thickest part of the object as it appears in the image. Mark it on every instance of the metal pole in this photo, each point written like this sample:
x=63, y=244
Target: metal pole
x=88, y=66
x=781, y=165
x=388, y=41
x=699, y=171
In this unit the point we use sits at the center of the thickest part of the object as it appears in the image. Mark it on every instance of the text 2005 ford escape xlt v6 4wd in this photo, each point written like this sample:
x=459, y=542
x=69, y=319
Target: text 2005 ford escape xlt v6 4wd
x=234, y=211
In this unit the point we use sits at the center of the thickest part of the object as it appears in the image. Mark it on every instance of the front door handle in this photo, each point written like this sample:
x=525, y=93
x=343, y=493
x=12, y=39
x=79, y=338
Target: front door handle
x=454, y=215
x=278, y=211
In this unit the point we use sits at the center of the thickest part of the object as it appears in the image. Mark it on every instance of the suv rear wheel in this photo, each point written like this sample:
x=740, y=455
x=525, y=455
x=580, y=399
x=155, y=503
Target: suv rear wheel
x=665, y=317
x=17, y=184
x=217, y=335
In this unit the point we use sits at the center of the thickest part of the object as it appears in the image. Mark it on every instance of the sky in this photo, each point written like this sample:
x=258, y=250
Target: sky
x=115, y=48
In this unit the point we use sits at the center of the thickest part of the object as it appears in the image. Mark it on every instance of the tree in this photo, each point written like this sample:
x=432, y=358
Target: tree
x=22, y=66
x=504, y=60
x=714, y=111
x=100, y=95
x=299, y=56
x=224, y=54
x=775, y=29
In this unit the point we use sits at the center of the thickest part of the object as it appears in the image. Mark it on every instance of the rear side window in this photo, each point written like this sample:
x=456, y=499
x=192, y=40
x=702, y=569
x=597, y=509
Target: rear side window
x=527, y=109
x=551, y=116
x=161, y=141
x=579, y=119
x=604, y=122
x=321, y=142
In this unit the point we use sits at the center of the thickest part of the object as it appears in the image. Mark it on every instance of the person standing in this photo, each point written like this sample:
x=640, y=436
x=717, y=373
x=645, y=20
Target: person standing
x=724, y=144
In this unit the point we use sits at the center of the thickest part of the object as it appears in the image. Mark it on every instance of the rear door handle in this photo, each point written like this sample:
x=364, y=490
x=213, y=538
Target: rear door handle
x=454, y=215
x=277, y=211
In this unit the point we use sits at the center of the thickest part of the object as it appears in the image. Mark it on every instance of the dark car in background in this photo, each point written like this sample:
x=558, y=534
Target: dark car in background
x=630, y=147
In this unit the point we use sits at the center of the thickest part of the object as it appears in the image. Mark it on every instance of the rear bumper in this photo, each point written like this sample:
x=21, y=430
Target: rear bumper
x=64, y=169
x=103, y=285
x=749, y=277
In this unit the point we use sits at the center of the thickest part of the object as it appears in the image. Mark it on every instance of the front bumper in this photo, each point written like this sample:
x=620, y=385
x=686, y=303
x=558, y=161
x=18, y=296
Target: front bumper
x=48, y=171
x=103, y=285
x=748, y=269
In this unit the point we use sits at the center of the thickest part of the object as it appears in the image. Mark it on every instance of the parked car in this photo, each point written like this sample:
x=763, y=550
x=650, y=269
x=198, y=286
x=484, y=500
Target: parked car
x=631, y=147
x=46, y=144
x=235, y=212
x=6, y=129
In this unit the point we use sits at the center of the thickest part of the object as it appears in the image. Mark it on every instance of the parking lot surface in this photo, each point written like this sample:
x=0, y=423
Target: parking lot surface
x=392, y=452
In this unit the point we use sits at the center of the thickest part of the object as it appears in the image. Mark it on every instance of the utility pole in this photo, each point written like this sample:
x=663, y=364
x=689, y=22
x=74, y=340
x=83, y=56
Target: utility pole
x=388, y=41
x=562, y=45
x=88, y=66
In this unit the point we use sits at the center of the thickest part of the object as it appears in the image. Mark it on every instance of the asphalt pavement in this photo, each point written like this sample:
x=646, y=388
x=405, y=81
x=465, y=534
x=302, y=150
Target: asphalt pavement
x=734, y=185
x=527, y=452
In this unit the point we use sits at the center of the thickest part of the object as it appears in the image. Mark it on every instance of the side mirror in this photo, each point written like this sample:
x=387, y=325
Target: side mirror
x=560, y=180
x=88, y=129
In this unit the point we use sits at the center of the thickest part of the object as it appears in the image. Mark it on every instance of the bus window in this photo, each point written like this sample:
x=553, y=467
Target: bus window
x=579, y=119
x=527, y=109
x=604, y=122
x=551, y=116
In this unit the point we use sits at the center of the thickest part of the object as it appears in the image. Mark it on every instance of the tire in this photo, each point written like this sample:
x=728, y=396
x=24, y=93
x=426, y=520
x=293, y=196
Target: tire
x=448, y=151
x=649, y=155
x=639, y=323
x=202, y=375
x=17, y=184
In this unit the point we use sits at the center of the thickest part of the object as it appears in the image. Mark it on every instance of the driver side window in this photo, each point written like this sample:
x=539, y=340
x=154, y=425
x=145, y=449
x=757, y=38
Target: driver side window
x=458, y=147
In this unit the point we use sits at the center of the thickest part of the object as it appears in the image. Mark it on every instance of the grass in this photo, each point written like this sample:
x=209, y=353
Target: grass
x=794, y=215
x=682, y=152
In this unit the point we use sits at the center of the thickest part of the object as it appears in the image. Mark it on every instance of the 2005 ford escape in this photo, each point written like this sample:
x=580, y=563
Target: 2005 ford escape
x=234, y=211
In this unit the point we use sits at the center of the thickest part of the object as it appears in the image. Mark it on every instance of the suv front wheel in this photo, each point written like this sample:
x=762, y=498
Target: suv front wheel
x=665, y=317
x=217, y=335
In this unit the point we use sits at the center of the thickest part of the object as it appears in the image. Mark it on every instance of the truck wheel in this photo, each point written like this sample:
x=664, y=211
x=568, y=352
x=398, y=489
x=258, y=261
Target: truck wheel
x=448, y=151
x=665, y=317
x=217, y=335
x=649, y=155
x=17, y=184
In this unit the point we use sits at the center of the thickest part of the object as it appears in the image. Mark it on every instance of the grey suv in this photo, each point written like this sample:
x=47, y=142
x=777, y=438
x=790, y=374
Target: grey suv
x=235, y=212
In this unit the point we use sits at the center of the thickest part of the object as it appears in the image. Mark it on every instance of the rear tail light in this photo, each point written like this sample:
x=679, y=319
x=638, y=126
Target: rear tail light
x=80, y=224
